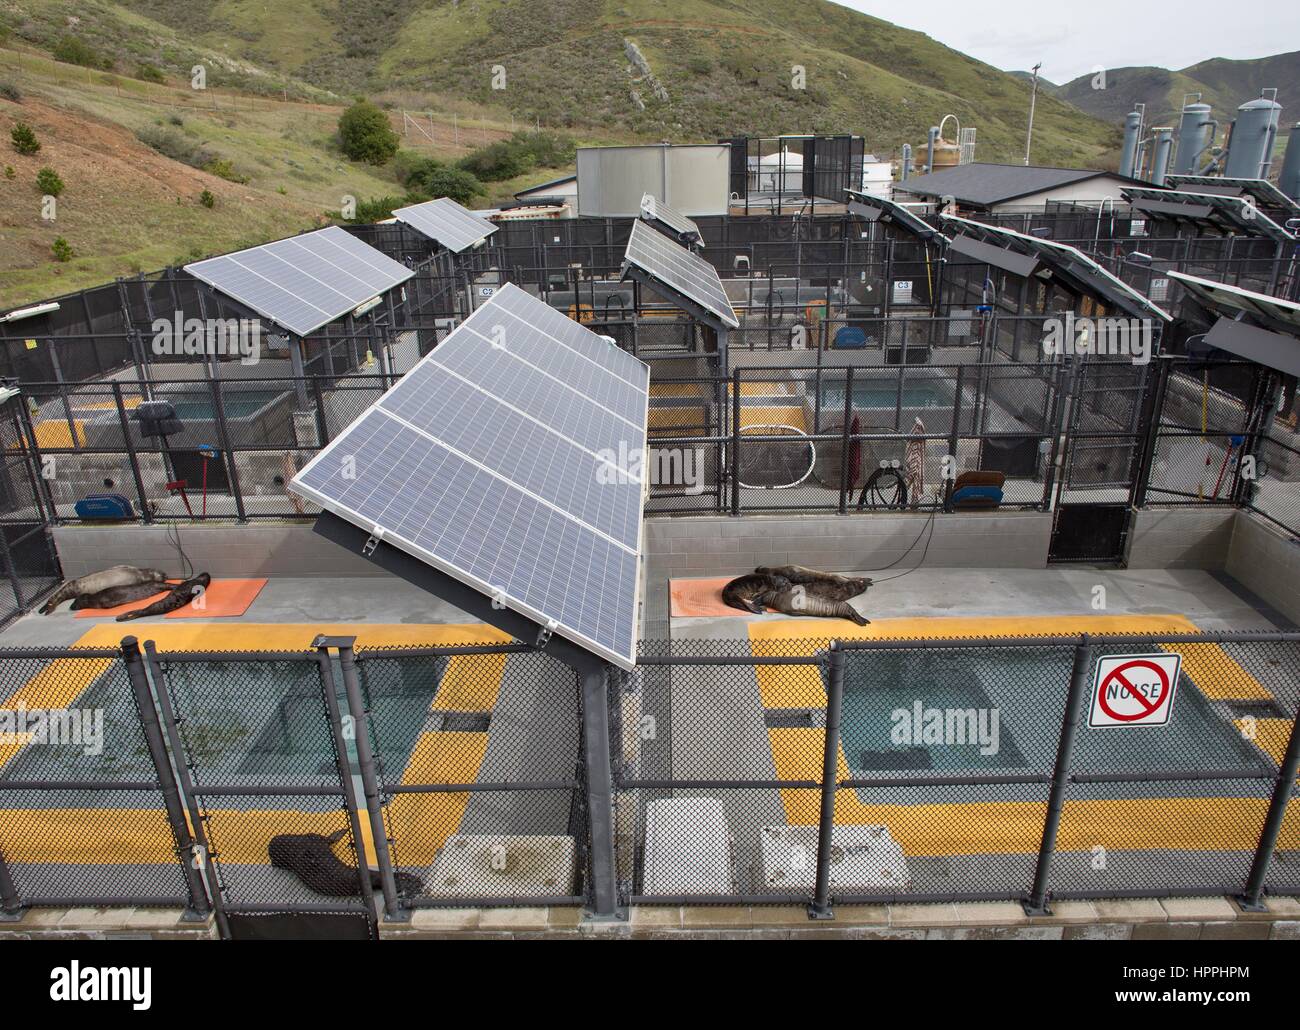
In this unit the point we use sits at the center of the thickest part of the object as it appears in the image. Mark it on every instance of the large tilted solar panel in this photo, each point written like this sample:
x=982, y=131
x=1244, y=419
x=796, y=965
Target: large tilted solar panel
x=895, y=212
x=502, y=459
x=1220, y=296
x=1261, y=189
x=655, y=210
x=446, y=222
x=306, y=281
x=678, y=269
x=1239, y=212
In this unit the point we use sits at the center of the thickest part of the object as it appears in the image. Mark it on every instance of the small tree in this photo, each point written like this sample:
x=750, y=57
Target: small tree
x=207, y=199
x=62, y=249
x=147, y=72
x=24, y=140
x=365, y=135
x=439, y=181
x=48, y=181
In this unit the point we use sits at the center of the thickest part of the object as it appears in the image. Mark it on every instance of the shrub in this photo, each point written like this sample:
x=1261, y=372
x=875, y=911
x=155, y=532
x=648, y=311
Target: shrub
x=24, y=140
x=222, y=167
x=437, y=180
x=147, y=72
x=9, y=172
x=11, y=92
x=173, y=144
x=62, y=249
x=71, y=50
x=48, y=181
x=365, y=135
x=521, y=153
x=207, y=199
x=376, y=208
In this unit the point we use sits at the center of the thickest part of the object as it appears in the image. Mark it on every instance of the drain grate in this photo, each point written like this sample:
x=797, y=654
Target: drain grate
x=1256, y=709
x=793, y=718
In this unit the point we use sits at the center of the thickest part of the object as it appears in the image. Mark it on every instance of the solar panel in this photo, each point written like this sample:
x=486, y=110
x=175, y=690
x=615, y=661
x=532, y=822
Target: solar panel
x=654, y=210
x=306, y=281
x=1282, y=314
x=446, y=222
x=1261, y=189
x=675, y=268
x=1239, y=213
x=1065, y=258
x=880, y=209
x=506, y=458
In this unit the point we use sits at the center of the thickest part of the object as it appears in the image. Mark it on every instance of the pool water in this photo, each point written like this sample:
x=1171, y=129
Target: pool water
x=1022, y=697
x=237, y=404
x=873, y=395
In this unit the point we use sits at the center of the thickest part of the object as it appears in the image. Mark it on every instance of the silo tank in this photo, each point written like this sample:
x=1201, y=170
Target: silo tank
x=1194, y=138
x=1289, y=181
x=1250, y=150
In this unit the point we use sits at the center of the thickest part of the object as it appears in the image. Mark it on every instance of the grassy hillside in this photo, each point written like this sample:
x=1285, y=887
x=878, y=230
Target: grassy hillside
x=1223, y=84
x=679, y=69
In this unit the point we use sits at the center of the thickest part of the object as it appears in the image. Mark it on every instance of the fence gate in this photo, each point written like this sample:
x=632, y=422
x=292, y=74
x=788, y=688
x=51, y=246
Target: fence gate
x=1103, y=442
x=262, y=763
x=29, y=564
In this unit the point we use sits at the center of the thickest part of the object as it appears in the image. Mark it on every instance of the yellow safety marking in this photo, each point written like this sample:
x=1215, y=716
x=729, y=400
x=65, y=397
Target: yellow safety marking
x=53, y=433
x=762, y=388
x=676, y=390
x=471, y=683
x=1216, y=675
x=289, y=636
x=11, y=744
x=421, y=823
x=1016, y=827
x=58, y=684
x=675, y=418
x=1270, y=735
x=773, y=416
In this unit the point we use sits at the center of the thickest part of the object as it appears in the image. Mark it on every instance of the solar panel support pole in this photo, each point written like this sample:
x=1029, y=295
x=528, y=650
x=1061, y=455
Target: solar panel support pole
x=591, y=671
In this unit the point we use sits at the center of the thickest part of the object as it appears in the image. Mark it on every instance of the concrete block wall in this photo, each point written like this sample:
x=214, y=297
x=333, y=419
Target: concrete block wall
x=1180, y=538
x=242, y=551
x=724, y=546
x=1266, y=561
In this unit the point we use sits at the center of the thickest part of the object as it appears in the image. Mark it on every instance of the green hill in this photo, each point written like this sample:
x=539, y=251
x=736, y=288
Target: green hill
x=1223, y=84
x=675, y=69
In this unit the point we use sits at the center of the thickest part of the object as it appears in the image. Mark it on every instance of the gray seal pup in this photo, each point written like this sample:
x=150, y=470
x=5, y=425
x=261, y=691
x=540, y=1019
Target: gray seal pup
x=746, y=592
x=96, y=582
x=827, y=585
x=114, y=596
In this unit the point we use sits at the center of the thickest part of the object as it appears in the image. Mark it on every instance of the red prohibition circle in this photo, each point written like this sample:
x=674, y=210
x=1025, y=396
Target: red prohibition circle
x=1147, y=708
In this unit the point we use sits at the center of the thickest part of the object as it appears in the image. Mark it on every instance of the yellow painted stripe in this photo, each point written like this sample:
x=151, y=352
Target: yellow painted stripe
x=1015, y=827
x=58, y=684
x=1270, y=735
x=671, y=418
x=1216, y=674
x=676, y=389
x=53, y=433
x=773, y=416
x=421, y=823
x=471, y=683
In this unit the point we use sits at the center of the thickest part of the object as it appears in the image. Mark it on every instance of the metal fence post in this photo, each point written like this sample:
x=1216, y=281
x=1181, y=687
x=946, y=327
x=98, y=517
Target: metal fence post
x=603, y=885
x=199, y=904
x=1037, y=903
x=735, y=442
x=335, y=721
x=219, y=410
x=11, y=906
x=145, y=515
x=366, y=764
x=953, y=442
x=846, y=434
x=1286, y=775
x=821, y=903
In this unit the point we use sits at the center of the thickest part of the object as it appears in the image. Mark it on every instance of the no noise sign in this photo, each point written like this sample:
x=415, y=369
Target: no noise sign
x=1134, y=689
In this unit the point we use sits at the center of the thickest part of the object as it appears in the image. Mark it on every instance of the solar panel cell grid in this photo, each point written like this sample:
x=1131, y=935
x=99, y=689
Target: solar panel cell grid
x=446, y=222
x=677, y=268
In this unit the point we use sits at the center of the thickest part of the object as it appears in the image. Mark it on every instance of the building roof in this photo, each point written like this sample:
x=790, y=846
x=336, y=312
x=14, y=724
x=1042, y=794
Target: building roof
x=979, y=184
x=546, y=185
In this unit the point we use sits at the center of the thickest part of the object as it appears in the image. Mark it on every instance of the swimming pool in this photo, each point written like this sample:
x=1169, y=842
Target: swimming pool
x=912, y=713
x=884, y=395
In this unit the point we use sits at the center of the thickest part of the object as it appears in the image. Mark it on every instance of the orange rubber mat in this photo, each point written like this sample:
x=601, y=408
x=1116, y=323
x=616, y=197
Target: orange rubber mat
x=224, y=599
x=700, y=598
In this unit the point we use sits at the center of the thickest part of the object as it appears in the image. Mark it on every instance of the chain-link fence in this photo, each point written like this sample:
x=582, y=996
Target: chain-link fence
x=1015, y=769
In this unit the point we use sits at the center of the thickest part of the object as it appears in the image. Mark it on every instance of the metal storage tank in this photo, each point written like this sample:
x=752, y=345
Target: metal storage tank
x=1196, y=131
x=1160, y=163
x=692, y=178
x=1289, y=181
x=1132, y=130
x=1250, y=149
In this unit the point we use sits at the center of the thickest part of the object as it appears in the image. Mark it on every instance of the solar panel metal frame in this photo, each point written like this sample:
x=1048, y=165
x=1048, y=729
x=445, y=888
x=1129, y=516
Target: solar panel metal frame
x=350, y=256
x=1062, y=257
x=1232, y=210
x=1274, y=311
x=673, y=258
x=892, y=211
x=654, y=210
x=543, y=619
x=1261, y=189
x=447, y=223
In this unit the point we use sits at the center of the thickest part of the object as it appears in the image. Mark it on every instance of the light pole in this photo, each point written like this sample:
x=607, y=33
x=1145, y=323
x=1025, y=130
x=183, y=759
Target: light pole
x=1033, y=97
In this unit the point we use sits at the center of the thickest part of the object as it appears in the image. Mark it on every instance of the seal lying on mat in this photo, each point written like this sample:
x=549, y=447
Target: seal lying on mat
x=759, y=591
x=106, y=579
x=827, y=585
x=311, y=858
x=114, y=596
x=179, y=596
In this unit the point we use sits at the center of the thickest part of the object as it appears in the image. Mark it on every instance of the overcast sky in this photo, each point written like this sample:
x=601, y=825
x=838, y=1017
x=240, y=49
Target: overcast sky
x=1072, y=38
